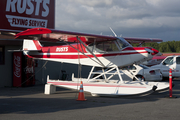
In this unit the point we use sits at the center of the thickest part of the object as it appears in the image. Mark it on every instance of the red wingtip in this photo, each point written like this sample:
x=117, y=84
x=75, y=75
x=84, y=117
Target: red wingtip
x=33, y=31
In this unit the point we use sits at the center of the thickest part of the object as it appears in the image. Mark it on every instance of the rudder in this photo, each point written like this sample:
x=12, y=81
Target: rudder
x=31, y=45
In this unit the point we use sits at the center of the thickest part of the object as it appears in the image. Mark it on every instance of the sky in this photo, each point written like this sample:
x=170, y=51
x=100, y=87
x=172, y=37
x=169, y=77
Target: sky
x=128, y=18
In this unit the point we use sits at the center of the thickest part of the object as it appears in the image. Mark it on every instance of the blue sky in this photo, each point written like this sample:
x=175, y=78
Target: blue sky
x=129, y=18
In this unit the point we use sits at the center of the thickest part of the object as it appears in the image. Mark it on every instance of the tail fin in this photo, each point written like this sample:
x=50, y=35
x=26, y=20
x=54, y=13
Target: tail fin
x=31, y=45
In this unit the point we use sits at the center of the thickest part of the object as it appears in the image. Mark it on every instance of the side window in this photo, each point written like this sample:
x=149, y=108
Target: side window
x=168, y=61
x=1, y=55
x=111, y=46
x=100, y=47
x=107, y=46
x=178, y=60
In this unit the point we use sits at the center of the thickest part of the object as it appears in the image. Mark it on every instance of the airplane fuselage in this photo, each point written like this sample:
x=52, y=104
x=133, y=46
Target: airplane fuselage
x=68, y=54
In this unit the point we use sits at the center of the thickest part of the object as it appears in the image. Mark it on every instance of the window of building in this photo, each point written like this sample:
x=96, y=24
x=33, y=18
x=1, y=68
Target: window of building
x=1, y=55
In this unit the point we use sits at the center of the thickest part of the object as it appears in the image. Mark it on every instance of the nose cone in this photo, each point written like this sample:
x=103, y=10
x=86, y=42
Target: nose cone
x=154, y=51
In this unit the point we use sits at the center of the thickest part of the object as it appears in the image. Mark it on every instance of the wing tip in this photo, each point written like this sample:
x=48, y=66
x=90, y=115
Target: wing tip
x=33, y=31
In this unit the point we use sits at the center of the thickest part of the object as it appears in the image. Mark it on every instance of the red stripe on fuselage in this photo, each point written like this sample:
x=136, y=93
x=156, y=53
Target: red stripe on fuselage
x=82, y=56
x=63, y=55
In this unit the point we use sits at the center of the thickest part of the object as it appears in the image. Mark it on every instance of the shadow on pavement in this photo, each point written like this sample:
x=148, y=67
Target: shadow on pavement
x=33, y=100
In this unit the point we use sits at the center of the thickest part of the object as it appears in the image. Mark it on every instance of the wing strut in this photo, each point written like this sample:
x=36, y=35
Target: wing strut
x=141, y=44
x=90, y=51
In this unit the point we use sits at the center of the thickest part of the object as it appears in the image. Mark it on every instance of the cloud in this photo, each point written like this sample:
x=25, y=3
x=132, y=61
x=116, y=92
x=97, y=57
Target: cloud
x=128, y=17
x=94, y=3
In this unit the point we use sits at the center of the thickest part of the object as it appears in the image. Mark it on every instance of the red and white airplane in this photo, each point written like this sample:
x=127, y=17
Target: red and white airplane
x=92, y=50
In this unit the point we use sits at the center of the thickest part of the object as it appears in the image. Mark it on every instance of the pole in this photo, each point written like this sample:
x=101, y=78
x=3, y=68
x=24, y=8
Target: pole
x=170, y=83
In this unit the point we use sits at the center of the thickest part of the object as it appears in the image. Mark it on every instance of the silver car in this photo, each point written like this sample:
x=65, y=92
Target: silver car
x=142, y=72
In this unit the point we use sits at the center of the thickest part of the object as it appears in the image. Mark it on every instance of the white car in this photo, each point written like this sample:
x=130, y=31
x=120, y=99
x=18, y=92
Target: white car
x=142, y=72
x=170, y=62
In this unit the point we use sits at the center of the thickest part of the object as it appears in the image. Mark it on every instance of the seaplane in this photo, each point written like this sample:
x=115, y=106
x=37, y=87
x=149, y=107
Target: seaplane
x=110, y=52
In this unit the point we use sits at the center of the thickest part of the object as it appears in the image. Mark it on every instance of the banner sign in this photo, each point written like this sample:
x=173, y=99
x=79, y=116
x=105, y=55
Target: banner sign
x=19, y=15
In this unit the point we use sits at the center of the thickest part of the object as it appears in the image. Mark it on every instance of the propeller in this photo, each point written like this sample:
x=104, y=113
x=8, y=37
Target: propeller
x=148, y=50
x=153, y=51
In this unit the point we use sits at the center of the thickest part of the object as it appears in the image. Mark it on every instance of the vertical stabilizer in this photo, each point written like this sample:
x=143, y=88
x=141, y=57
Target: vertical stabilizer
x=31, y=45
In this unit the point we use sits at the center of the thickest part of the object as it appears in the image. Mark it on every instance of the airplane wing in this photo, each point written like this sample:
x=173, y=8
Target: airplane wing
x=53, y=35
x=58, y=35
x=140, y=40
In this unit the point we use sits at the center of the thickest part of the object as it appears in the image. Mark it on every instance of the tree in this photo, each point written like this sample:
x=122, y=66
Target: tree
x=169, y=46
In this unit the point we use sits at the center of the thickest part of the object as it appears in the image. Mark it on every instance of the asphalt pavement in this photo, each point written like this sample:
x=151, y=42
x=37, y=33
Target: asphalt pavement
x=30, y=103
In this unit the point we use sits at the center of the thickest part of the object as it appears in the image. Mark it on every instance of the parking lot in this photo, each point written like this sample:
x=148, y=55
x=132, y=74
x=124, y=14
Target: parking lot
x=30, y=103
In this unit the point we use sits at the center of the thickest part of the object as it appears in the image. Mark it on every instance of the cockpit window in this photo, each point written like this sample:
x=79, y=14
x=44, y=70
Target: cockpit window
x=108, y=46
x=123, y=43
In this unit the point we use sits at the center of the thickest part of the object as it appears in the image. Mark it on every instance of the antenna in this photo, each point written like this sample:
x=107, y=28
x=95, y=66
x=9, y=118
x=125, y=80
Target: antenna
x=113, y=32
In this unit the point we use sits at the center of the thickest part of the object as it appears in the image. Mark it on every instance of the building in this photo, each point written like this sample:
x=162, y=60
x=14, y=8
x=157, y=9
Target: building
x=41, y=68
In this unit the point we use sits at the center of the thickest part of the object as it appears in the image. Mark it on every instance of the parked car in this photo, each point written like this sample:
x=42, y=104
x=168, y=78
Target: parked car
x=142, y=72
x=154, y=61
x=170, y=62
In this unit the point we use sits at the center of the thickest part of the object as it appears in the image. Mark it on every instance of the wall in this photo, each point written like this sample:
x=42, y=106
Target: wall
x=53, y=69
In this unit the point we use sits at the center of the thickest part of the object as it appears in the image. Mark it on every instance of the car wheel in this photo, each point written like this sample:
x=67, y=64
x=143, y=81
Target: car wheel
x=165, y=78
x=140, y=77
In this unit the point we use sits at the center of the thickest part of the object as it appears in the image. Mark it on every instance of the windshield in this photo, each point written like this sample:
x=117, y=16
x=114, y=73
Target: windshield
x=123, y=43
